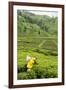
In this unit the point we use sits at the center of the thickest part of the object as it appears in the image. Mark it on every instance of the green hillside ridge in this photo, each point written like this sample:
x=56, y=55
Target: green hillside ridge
x=40, y=25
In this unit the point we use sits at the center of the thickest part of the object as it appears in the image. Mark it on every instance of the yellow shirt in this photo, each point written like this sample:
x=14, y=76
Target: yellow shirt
x=30, y=64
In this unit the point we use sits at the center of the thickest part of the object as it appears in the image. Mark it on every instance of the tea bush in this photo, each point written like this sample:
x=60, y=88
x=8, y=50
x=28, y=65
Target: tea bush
x=22, y=68
x=38, y=72
x=22, y=75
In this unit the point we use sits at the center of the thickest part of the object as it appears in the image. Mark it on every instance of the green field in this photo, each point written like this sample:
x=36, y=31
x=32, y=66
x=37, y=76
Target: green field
x=37, y=37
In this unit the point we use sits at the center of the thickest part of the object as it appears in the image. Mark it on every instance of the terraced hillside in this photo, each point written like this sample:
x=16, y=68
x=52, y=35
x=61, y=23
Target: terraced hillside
x=37, y=37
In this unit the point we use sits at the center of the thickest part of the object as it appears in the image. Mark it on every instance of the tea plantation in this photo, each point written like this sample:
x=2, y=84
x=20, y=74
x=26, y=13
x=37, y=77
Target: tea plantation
x=37, y=37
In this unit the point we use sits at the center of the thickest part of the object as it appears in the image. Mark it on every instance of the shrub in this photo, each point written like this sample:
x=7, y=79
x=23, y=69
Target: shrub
x=38, y=72
x=32, y=74
x=46, y=72
x=22, y=76
x=46, y=52
x=22, y=68
x=51, y=73
x=27, y=75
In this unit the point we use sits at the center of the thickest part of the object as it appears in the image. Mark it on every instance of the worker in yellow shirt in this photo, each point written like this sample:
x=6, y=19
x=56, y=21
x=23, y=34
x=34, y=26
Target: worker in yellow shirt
x=30, y=63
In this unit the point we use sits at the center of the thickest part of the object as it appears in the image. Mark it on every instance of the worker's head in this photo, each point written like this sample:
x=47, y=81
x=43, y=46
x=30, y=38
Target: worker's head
x=35, y=60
